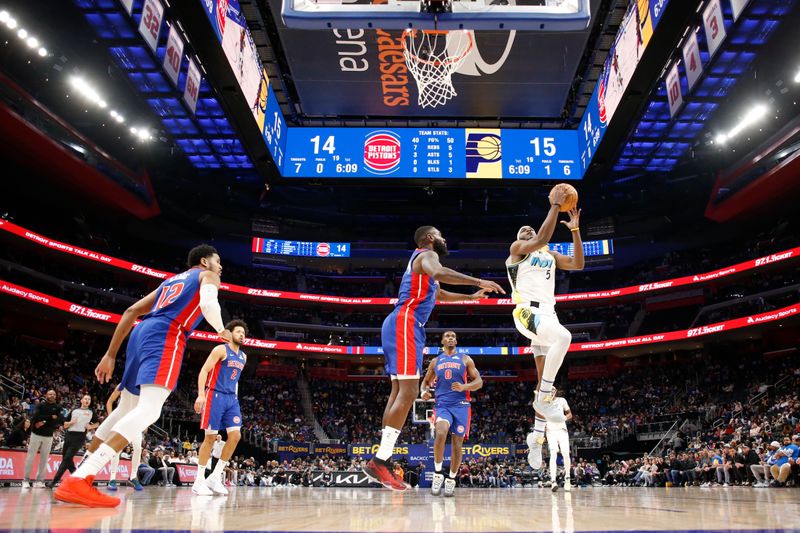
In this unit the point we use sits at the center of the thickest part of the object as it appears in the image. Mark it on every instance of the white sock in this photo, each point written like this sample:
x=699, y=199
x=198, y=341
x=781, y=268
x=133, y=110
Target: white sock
x=200, y=477
x=219, y=469
x=96, y=462
x=438, y=466
x=453, y=474
x=538, y=426
x=86, y=455
x=112, y=470
x=388, y=438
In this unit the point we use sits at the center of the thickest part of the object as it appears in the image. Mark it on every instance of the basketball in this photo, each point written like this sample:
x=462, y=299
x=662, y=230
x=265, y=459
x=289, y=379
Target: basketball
x=572, y=196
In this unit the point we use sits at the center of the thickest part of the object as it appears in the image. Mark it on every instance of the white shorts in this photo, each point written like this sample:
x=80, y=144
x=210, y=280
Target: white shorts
x=558, y=440
x=546, y=326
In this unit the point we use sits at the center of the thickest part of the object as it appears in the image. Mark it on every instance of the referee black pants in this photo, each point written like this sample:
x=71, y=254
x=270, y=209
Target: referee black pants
x=73, y=441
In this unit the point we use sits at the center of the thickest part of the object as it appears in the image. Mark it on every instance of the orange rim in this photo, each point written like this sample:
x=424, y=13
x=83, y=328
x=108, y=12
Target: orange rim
x=436, y=62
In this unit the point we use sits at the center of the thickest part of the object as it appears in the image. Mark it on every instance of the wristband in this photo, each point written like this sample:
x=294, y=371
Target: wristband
x=574, y=229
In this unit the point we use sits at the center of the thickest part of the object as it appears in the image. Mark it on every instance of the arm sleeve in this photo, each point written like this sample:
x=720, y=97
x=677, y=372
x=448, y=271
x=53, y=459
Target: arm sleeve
x=210, y=308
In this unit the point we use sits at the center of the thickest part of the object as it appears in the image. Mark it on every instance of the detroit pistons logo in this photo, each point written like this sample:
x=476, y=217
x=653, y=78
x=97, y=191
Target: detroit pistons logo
x=382, y=152
x=236, y=420
x=460, y=429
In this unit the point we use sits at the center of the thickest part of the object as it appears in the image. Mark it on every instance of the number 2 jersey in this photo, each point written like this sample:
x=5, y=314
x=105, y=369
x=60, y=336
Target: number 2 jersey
x=224, y=378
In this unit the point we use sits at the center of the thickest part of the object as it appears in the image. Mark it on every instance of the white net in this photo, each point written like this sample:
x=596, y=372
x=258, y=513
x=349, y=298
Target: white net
x=433, y=57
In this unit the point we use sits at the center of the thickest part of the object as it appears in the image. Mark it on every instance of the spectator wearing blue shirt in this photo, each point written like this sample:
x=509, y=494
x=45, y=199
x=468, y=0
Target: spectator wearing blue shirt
x=784, y=458
x=761, y=472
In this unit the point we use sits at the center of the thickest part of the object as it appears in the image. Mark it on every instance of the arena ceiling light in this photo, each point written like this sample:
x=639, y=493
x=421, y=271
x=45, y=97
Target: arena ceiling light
x=797, y=77
x=752, y=116
x=11, y=23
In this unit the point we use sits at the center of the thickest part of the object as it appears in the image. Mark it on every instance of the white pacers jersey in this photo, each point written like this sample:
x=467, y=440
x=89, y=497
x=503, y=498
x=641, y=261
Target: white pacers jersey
x=533, y=279
x=557, y=418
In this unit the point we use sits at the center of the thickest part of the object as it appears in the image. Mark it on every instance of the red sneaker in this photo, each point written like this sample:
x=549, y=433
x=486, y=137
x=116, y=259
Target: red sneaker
x=80, y=491
x=383, y=473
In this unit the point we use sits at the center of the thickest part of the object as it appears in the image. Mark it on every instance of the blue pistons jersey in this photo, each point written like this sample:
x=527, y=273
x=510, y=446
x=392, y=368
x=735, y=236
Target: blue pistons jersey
x=225, y=376
x=450, y=369
x=222, y=410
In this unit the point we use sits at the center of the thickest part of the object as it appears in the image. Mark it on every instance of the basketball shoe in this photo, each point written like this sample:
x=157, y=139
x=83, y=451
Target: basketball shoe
x=449, y=487
x=567, y=485
x=535, y=450
x=80, y=491
x=436, y=485
x=382, y=472
x=215, y=484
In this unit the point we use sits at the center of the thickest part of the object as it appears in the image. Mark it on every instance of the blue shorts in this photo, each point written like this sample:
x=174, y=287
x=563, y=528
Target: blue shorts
x=154, y=355
x=403, y=340
x=459, y=417
x=221, y=411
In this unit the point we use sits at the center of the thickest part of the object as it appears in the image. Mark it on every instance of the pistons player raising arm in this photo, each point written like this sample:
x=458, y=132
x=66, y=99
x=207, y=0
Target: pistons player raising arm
x=403, y=339
x=531, y=272
x=153, y=361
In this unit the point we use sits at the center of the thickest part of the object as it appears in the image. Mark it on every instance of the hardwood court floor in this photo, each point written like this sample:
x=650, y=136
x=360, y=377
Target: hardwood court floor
x=291, y=509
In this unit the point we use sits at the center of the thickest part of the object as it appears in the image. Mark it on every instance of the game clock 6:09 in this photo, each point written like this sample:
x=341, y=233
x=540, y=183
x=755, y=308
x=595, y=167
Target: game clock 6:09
x=430, y=153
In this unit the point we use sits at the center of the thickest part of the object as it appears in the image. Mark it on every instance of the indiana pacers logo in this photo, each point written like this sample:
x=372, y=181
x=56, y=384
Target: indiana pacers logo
x=484, y=154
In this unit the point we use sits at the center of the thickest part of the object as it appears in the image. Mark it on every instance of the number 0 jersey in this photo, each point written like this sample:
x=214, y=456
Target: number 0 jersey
x=450, y=369
x=533, y=279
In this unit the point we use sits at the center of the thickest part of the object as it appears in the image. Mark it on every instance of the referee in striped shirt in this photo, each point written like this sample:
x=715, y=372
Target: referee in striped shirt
x=81, y=420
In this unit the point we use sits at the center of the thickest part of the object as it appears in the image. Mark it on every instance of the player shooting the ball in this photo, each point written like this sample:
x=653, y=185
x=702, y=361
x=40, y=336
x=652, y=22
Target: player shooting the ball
x=531, y=270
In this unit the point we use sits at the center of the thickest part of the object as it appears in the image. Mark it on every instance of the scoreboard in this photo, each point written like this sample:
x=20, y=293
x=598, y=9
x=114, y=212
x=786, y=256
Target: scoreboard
x=590, y=248
x=300, y=248
x=472, y=153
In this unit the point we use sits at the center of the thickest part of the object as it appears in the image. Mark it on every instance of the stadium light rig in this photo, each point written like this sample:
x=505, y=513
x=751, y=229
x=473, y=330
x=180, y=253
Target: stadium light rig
x=755, y=114
x=79, y=84
x=11, y=23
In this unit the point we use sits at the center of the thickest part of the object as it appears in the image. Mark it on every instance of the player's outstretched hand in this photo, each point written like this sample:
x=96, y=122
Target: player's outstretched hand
x=458, y=387
x=574, y=219
x=490, y=286
x=199, y=403
x=427, y=395
x=105, y=369
x=226, y=335
x=479, y=294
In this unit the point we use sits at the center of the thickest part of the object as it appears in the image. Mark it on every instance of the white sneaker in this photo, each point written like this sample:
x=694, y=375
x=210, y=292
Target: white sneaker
x=567, y=485
x=216, y=485
x=201, y=489
x=436, y=485
x=38, y=484
x=535, y=450
x=449, y=487
x=554, y=486
x=26, y=484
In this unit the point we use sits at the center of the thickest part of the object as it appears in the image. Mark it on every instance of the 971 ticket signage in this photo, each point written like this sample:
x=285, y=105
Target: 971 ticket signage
x=150, y=23
x=173, y=57
x=192, y=90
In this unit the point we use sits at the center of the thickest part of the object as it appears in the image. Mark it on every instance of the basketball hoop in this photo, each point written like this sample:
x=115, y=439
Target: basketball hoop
x=433, y=56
